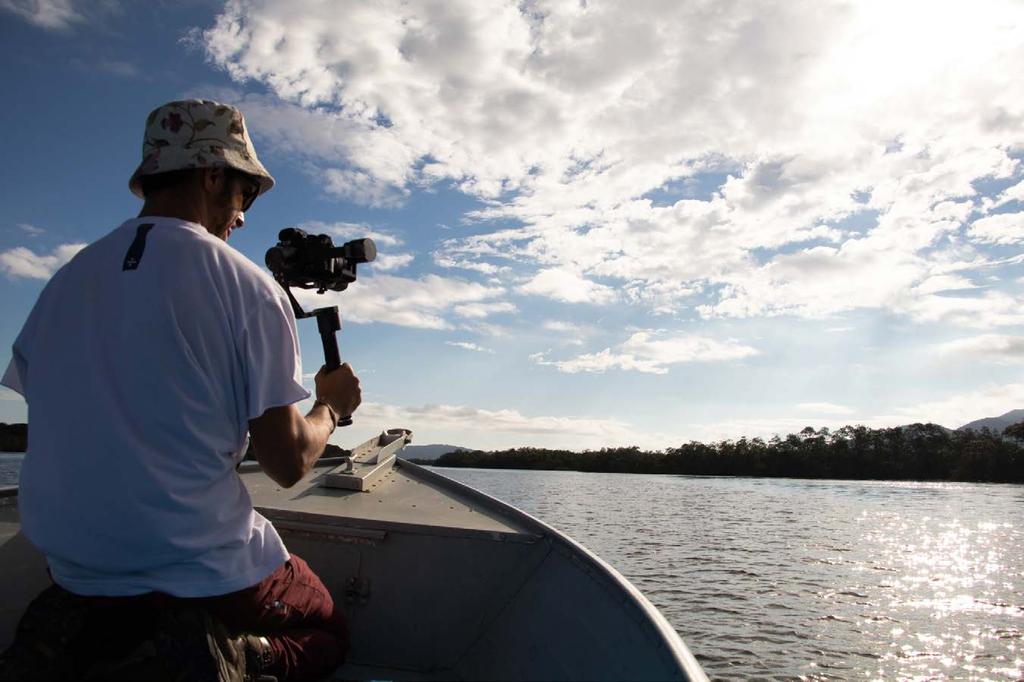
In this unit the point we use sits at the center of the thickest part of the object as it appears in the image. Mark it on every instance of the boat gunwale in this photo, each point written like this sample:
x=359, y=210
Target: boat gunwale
x=673, y=643
x=332, y=523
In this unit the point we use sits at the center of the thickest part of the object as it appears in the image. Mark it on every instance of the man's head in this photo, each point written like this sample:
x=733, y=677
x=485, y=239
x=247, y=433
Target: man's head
x=199, y=152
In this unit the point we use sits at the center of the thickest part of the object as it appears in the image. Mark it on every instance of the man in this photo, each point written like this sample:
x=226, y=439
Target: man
x=144, y=363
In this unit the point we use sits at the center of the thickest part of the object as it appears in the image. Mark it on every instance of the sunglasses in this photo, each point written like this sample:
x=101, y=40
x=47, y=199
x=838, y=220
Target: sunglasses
x=249, y=194
x=250, y=188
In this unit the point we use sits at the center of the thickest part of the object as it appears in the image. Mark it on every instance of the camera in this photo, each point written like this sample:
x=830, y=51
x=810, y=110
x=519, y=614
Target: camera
x=312, y=261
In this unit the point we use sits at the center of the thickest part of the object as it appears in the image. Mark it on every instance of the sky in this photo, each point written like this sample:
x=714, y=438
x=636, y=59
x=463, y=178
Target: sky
x=599, y=223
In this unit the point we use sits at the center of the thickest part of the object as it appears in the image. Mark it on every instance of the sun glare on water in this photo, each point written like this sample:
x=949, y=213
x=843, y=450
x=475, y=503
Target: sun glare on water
x=947, y=575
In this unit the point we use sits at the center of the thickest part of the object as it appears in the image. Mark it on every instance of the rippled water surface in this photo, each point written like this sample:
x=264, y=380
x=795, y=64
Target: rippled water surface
x=10, y=463
x=819, y=579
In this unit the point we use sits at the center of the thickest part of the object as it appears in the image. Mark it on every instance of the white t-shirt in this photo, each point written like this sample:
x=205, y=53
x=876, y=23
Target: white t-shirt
x=142, y=367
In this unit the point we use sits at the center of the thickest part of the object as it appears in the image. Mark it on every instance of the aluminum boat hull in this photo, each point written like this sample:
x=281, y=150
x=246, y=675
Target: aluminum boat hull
x=438, y=581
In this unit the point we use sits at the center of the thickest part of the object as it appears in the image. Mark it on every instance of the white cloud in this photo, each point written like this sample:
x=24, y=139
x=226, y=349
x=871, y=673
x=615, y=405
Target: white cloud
x=999, y=347
x=1014, y=193
x=956, y=410
x=469, y=346
x=939, y=283
x=23, y=262
x=819, y=281
x=562, y=117
x=652, y=352
x=562, y=327
x=482, y=310
x=350, y=231
x=31, y=230
x=476, y=427
x=1003, y=228
x=486, y=329
x=362, y=188
x=952, y=412
x=421, y=303
x=386, y=262
x=569, y=333
x=865, y=274
x=564, y=285
x=446, y=261
x=992, y=309
x=50, y=14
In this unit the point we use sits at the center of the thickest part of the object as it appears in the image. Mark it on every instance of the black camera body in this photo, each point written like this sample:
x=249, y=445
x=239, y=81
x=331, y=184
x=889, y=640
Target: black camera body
x=312, y=261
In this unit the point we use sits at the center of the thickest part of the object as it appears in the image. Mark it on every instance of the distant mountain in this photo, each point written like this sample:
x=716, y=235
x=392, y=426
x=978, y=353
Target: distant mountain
x=428, y=452
x=996, y=424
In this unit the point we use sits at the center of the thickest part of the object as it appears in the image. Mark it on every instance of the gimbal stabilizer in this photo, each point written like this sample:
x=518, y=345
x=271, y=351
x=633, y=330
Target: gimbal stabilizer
x=314, y=262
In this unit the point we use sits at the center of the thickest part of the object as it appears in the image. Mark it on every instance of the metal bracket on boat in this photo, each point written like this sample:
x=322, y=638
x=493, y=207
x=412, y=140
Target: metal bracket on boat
x=368, y=462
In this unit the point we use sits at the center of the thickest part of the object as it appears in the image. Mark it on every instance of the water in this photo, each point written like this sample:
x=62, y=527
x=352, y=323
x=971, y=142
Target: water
x=789, y=578
x=10, y=463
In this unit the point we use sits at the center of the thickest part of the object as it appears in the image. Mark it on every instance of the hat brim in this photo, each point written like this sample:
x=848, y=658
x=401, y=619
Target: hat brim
x=231, y=159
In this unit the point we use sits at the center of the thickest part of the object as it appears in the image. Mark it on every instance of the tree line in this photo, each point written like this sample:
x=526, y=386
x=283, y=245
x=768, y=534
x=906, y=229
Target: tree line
x=925, y=452
x=921, y=452
x=13, y=437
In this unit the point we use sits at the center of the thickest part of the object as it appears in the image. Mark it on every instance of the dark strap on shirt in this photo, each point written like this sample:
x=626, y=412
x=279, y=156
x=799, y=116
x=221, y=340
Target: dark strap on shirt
x=134, y=255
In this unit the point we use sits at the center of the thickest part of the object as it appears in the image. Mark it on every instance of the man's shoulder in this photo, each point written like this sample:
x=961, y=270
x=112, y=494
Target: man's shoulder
x=252, y=282
x=238, y=264
x=225, y=262
x=199, y=261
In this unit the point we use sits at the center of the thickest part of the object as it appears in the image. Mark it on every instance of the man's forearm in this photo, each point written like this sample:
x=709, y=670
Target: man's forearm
x=321, y=425
x=287, y=444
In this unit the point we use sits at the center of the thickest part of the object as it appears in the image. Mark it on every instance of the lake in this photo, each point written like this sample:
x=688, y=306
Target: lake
x=10, y=464
x=816, y=579
x=794, y=578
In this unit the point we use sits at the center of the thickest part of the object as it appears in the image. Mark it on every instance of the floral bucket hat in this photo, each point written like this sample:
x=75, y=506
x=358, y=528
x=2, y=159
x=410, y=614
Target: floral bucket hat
x=197, y=133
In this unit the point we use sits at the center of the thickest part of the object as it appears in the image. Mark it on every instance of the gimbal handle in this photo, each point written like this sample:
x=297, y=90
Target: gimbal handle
x=328, y=322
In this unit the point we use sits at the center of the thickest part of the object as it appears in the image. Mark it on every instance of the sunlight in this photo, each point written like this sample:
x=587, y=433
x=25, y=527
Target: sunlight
x=892, y=52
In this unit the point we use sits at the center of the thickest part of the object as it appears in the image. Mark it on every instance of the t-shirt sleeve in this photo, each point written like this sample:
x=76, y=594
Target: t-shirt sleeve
x=16, y=375
x=17, y=369
x=271, y=358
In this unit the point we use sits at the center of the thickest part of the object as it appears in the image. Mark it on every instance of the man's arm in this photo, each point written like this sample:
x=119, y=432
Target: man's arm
x=287, y=444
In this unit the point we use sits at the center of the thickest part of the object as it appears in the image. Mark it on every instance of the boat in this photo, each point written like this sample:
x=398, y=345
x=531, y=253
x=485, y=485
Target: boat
x=439, y=581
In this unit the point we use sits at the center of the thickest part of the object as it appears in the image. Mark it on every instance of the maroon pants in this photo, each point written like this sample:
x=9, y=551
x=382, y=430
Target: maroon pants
x=291, y=608
x=296, y=613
